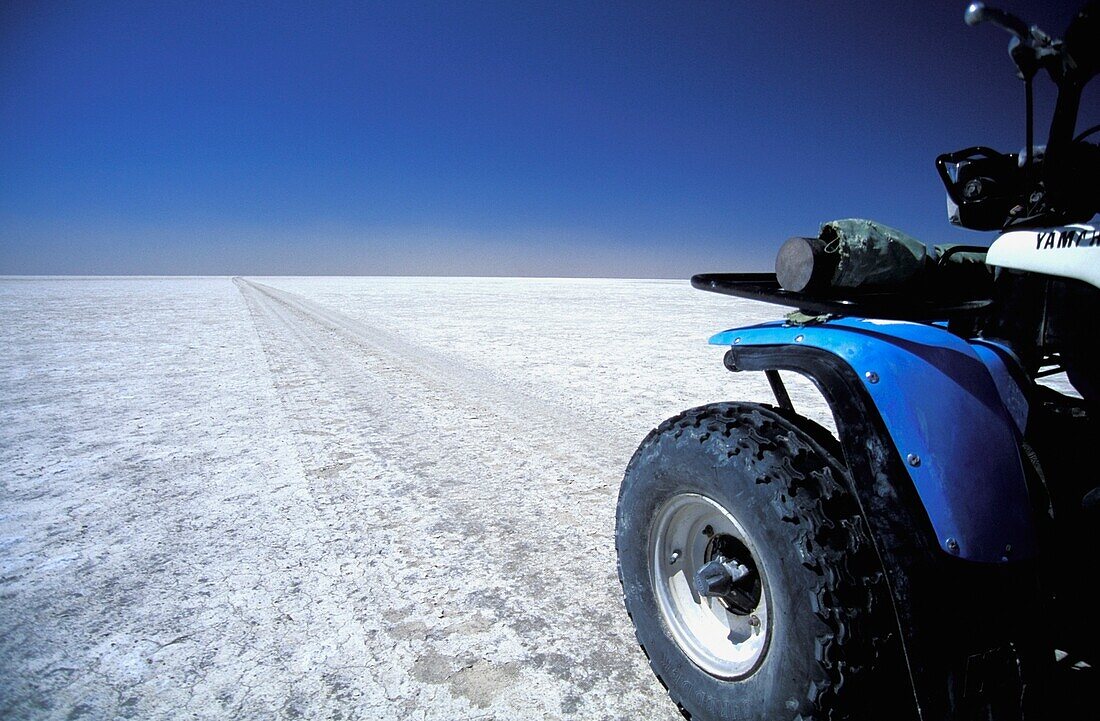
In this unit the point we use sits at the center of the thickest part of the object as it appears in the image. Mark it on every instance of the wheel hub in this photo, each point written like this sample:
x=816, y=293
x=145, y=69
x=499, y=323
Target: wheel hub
x=717, y=578
x=709, y=587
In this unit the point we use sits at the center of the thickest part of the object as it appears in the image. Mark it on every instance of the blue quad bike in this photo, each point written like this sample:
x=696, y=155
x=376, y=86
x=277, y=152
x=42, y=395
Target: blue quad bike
x=935, y=557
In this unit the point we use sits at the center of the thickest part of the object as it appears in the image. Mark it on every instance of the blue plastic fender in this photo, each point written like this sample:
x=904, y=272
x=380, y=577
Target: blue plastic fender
x=999, y=360
x=946, y=418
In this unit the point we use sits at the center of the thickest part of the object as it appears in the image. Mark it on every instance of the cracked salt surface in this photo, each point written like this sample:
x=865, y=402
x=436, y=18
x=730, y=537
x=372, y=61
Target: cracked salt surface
x=330, y=498
x=347, y=498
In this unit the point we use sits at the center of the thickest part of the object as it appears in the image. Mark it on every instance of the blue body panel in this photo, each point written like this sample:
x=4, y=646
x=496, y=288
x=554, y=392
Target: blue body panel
x=954, y=413
x=998, y=360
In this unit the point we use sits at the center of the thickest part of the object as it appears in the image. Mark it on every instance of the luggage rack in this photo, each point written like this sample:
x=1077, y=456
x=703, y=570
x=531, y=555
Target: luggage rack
x=901, y=305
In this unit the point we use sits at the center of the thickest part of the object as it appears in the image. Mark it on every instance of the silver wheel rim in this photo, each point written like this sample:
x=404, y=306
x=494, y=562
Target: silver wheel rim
x=724, y=642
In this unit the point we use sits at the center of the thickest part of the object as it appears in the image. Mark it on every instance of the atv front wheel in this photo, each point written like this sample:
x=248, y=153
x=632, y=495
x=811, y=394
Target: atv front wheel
x=746, y=568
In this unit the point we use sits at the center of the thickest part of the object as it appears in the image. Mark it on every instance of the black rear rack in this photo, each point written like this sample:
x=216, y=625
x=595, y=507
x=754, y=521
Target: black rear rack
x=903, y=305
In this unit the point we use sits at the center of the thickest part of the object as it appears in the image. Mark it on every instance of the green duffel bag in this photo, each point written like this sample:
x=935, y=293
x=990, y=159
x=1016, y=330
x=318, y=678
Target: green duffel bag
x=852, y=254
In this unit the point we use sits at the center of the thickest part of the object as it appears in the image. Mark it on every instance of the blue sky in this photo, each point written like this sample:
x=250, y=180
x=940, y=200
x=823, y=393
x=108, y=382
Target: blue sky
x=645, y=139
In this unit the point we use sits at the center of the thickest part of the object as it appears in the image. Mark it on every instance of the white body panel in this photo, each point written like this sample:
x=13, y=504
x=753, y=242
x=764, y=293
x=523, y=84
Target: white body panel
x=1071, y=251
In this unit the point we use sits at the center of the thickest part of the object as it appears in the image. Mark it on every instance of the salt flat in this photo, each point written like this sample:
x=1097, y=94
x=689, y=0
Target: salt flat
x=346, y=498
x=332, y=498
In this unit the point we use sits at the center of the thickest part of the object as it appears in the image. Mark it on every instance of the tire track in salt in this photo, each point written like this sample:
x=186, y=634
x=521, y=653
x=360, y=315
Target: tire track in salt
x=489, y=534
x=476, y=386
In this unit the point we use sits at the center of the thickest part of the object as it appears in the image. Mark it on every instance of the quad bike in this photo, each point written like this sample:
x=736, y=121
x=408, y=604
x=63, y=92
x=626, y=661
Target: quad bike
x=928, y=560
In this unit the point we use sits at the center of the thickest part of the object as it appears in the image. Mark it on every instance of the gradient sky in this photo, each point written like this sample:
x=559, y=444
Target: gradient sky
x=644, y=139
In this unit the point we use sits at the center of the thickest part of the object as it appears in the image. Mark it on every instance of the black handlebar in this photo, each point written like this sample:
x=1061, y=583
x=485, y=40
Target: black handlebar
x=978, y=13
x=1074, y=59
x=1071, y=64
x=1040, y=185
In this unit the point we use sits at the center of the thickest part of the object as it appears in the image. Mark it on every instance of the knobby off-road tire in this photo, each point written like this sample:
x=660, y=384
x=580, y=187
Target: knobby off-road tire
x=825, y=643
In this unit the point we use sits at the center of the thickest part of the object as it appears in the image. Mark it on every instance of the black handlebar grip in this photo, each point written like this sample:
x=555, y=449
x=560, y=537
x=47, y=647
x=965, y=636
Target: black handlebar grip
x=977, y=13
x=802, y=265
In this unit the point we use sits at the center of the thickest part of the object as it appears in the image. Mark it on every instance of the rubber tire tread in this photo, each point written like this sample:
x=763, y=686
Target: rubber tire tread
x=857, y=657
